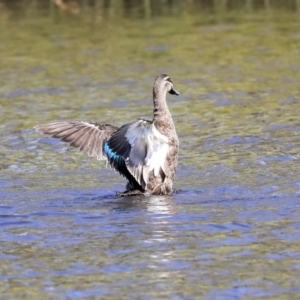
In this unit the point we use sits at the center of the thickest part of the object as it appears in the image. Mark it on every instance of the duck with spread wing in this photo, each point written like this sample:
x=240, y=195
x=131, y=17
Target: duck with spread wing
x=145, y=152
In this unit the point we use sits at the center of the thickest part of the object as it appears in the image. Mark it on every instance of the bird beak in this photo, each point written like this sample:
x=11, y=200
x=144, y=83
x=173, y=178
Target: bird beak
x=174, y=92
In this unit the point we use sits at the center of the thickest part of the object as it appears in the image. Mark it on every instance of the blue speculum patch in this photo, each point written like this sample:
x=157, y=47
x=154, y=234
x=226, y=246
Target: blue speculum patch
x=112, y=156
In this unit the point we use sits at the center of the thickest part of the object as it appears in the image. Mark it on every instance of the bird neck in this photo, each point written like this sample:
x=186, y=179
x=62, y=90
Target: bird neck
x=161, y=109
x=162, y=118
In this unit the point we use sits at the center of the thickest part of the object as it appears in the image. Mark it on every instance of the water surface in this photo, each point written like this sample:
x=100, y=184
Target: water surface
x=232, y=231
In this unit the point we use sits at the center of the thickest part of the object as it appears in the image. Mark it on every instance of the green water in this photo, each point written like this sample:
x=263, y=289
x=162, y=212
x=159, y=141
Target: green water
x=232, y=232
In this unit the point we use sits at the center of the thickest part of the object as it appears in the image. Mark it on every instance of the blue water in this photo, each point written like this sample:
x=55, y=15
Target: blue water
x=75, y=243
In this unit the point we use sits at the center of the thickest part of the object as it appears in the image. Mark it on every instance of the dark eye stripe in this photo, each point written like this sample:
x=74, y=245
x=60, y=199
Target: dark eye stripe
x=169, y=79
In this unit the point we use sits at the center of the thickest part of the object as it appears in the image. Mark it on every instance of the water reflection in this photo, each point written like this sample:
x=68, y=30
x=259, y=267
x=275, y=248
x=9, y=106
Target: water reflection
x=154, y=205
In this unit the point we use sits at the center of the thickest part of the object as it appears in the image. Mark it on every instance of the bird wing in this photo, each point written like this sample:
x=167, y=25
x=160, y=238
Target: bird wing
x=141, y=146
x=88, y=137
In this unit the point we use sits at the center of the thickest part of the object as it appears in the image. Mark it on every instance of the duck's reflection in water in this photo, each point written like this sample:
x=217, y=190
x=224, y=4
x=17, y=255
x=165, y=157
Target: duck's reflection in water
x=154, y=204
x=154, y=224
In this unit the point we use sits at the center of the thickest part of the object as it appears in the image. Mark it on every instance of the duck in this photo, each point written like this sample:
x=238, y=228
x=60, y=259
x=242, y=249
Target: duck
x=145, y=152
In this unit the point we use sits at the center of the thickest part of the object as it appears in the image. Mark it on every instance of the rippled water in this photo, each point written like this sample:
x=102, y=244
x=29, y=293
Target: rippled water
x=231, y=231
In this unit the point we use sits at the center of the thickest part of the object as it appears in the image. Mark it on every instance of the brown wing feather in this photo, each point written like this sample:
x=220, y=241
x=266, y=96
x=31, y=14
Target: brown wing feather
x=88, y=137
